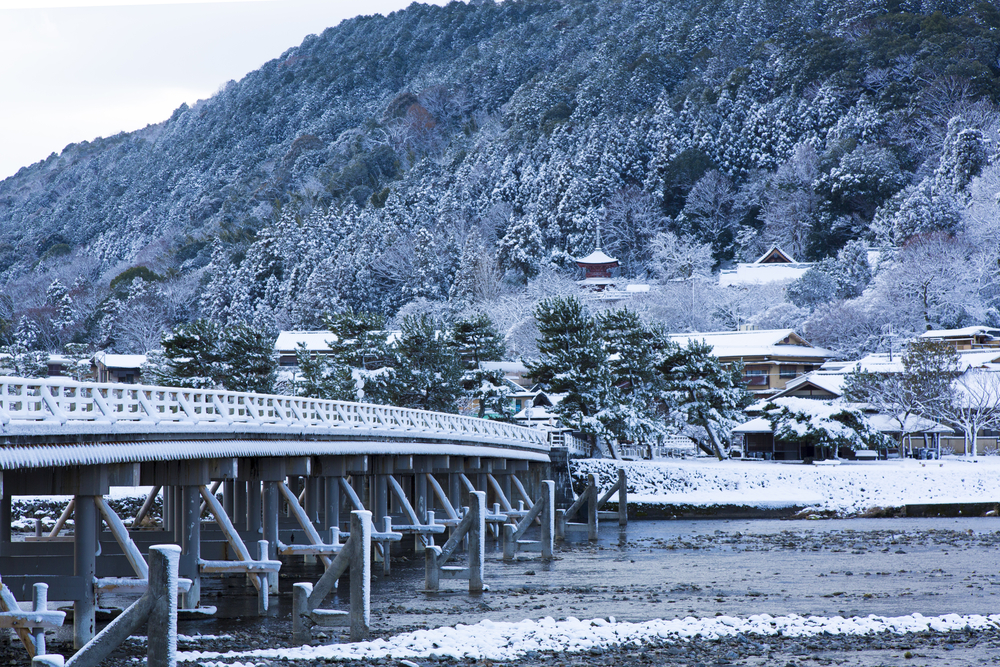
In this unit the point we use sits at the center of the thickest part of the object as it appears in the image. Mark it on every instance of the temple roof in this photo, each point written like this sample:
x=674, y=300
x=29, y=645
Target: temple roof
x=597, y=257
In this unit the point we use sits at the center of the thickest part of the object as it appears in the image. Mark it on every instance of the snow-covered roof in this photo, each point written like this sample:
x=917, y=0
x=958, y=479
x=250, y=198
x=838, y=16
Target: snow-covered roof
x=776, y=252
x=120, y=360
x=762, y=274
x=508, y=367
x=914, y=424
x=536, y=413
x=961, y=333
x=597, y=257
x=830, y=381
x=760, y=343
x=977, y=358
x=877, y=363
x=757, y=425
x=315, y=341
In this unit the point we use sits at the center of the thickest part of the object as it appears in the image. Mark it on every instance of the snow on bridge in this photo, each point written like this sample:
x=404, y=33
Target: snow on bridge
x=58, y=422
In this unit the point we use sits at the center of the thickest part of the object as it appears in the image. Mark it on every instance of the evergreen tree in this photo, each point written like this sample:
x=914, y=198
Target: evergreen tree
x=633, y=350
x=703, y=393
x=22, y=358
x=248, y=360
x=192, y=356
x=428, y=373
x=573, y=361
x=474, y=340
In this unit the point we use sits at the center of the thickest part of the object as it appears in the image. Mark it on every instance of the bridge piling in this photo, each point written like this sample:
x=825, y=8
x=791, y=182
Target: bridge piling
x=332, y=515
x=85, y=567
x=191, y=545
x=271, y=509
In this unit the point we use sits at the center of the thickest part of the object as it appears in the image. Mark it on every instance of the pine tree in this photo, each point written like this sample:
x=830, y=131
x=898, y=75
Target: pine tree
x=428, y=372
x=193, y=356
x=701, y=392
x=573, y=361
x=248, y=360
x=476, y=340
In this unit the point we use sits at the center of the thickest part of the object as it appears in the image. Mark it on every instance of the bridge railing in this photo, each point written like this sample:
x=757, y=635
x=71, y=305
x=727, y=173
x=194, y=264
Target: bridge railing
x=66, y=401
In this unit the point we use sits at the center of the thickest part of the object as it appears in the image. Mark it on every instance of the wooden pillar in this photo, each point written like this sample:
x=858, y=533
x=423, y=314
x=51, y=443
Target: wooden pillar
x=191, y=544
x=85, y=567
x=332, y=516
x=239, y=514
x=253, y=508
x=271, y=508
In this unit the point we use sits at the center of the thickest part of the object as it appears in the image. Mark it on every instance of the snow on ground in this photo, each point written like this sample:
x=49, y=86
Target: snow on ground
x=846, y=489
x=491, y=640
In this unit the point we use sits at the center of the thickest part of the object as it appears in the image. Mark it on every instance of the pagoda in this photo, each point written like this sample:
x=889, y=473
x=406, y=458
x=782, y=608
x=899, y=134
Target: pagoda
x=598, y=268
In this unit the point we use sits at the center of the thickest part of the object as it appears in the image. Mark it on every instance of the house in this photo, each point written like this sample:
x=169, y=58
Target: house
x=756, y=438
x=770, y=357
x=820, y=385
x=287, y=344
x=773, y=266
x=124, y=368
x=966, y=338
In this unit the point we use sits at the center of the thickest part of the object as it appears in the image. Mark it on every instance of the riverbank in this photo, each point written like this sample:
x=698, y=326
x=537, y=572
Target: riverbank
x=863, y=592
x=708, y=486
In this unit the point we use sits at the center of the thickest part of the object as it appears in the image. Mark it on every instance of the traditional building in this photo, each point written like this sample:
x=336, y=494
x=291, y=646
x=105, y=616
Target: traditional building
x=599, y=270
x=125, y=368
x=775, y=265
x=966, y=338
x=771, y=357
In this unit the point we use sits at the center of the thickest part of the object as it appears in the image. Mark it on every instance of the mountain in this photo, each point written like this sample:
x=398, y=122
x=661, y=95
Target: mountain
x=388, y=158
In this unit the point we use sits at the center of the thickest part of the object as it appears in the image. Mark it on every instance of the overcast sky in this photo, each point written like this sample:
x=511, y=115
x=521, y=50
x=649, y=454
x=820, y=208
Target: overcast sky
x=74, y=70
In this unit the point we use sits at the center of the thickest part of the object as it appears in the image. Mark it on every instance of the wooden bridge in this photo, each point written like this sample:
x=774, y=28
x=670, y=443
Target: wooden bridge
x=290, y=472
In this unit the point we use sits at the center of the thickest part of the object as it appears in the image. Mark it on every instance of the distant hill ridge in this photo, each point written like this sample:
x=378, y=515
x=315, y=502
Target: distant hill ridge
x=360, y=167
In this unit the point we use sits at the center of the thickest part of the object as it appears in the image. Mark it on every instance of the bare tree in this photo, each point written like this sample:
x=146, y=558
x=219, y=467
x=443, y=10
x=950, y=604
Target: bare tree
x=791, y=203
x=972, y=404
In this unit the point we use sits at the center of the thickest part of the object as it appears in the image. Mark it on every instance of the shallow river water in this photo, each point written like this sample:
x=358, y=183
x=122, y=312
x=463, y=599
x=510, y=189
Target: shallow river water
x=670, y=569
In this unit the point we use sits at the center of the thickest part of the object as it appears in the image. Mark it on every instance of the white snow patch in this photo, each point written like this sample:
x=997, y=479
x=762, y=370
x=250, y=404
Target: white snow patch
x=846, y=489
x=493, y=640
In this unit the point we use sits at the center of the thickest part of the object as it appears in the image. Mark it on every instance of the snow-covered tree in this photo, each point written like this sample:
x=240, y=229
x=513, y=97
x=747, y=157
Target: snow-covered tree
x=248, y=359
x=827, y=426
x=929, y=367
x=702, y=393
x=427, y=372
x=971, y=405
x=573, y=361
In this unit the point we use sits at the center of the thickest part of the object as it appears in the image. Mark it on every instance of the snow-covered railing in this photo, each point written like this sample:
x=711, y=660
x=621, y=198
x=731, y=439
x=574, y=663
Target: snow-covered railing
x=66, y=402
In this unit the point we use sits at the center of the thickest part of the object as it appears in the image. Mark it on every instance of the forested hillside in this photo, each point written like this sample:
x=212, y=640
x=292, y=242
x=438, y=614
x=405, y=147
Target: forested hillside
x=452, y=158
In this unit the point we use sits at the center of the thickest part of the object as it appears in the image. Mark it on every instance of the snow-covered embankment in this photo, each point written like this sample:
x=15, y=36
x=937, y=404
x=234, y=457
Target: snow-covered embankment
x=846, y=489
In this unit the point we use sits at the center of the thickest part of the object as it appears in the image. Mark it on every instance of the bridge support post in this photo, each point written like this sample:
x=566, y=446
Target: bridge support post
x=421, y=506
x=229, y=496
x=191, y=544
x=332, y=519
x=271, y=508
x=253, y=507
x=380, y=502
x=85, y=567
x=168, y=509
x=240, y=504
x=312, y=499
x=455, y=489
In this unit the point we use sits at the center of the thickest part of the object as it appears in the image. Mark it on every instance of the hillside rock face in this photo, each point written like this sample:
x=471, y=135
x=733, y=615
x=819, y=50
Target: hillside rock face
x=381, y=161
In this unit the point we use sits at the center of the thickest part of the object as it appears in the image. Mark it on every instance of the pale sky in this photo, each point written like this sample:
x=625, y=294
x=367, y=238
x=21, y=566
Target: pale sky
x=74, y=70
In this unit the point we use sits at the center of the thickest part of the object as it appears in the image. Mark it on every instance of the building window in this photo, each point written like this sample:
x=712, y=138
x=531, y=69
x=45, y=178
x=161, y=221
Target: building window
x=756, y=377
x=786, y=371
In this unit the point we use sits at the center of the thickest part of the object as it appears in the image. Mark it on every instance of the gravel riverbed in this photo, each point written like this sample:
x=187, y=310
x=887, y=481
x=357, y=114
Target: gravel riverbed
x=675, y=569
